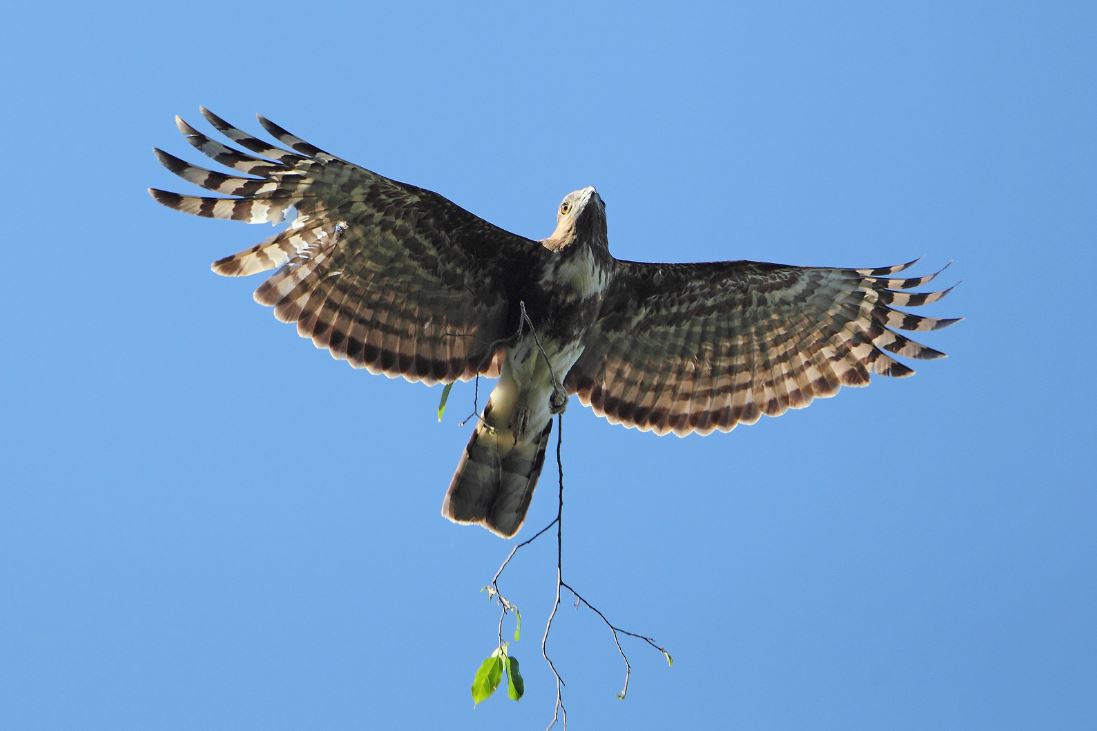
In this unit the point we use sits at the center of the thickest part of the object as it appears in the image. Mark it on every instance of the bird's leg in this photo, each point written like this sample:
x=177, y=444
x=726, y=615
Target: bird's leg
x=558, y=401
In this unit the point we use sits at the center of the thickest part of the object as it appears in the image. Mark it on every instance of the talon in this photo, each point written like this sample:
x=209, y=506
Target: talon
x=558, y=401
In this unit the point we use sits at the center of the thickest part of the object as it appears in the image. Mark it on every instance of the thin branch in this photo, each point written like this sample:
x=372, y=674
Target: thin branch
x=523, y=319
x=537, y=340
x=616, y=639
x=505, y=604
x=559, y=711
x=475, y=405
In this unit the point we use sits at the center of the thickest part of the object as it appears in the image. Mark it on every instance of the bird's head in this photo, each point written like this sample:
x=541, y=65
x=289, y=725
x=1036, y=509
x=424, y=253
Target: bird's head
x=580, y=217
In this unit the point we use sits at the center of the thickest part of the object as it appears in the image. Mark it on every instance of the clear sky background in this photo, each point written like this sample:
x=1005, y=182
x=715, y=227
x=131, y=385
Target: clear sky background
x=206, y=523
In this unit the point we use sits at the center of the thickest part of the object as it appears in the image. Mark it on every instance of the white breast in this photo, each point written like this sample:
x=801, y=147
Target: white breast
x=580, y=272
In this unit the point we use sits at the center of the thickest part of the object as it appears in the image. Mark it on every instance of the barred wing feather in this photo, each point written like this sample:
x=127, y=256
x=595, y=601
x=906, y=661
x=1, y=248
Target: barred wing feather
x=385, y=275
x=698, y=347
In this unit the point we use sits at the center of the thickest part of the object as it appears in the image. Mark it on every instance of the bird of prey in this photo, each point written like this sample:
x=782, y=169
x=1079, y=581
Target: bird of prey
x=399, y=280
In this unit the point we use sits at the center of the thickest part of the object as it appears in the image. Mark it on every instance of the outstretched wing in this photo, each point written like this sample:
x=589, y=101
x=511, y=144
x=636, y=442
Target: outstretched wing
x=697, y=347
x=385, y=275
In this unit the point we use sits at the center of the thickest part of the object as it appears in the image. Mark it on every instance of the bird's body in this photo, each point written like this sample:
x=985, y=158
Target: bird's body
x=397, y=279
x=495, y=478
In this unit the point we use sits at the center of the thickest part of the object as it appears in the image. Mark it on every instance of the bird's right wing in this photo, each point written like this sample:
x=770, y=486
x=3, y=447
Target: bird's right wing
x=385, y=275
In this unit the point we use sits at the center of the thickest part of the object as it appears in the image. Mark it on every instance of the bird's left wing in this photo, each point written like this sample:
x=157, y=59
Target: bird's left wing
x=385, y=275
x=697, y=347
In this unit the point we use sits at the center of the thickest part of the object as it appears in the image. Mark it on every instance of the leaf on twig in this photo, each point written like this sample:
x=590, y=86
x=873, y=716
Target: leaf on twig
x=516, y=687
x=442, y=402
x=487, y=678
x=670, y=660
x=518, y=625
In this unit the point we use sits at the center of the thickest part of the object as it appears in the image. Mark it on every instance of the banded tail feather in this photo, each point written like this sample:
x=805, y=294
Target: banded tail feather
x=496, y=476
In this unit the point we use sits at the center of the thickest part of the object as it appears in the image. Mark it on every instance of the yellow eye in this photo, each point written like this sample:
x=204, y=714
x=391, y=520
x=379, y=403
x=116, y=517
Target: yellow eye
x=565, y=207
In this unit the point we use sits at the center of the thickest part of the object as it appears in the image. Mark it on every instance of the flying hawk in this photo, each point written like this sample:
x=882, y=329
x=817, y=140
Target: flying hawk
x=399, y=280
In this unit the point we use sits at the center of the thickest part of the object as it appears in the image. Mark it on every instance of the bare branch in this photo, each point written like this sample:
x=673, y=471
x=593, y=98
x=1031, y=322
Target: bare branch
x=559, y=711
x=475, y=404
x=579, y=598
x=523, y=318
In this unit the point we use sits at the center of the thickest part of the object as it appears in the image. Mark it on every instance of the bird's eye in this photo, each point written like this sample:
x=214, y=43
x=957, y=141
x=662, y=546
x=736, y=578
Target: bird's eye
x=565, y=207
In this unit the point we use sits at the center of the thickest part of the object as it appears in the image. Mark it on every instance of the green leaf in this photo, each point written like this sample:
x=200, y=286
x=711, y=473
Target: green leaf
x=518, y=625
x=445, y=397
x=516, y=687
x=487, y=678
x=670, y=660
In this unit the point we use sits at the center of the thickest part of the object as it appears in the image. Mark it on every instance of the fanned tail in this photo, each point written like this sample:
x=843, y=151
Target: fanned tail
x=495, y=479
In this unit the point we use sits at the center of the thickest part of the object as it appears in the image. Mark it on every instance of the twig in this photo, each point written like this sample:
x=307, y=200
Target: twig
x=523, y=319
x=537, y=340
x=617, y=640
x=493, y=589
x=559, y=711
x=475, y=404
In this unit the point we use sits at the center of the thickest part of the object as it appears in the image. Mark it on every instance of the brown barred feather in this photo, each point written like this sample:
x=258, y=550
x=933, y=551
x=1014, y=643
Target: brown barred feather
x=226, y=155
x=293, y=141
x=211, y=180
x=388, y=276
x=692, y=348
x=246, y=141
x=884, y=271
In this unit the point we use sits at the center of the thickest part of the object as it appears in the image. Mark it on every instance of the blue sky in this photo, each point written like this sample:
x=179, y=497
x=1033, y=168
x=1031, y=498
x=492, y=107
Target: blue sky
x=206, y=523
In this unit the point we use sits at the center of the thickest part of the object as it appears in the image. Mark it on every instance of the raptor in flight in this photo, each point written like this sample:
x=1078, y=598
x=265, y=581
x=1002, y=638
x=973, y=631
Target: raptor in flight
x=399, y=280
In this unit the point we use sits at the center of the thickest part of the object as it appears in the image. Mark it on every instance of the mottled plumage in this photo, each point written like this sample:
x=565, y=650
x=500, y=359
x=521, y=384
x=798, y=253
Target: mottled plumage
x=399, y=280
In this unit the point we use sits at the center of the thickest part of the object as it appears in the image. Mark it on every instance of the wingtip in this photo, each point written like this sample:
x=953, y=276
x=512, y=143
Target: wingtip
x=272, y=128
x=898, y=369
x=908, y=265
x=164, y=197
x=214, y=119
x=219, y=267
x=185, y=128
